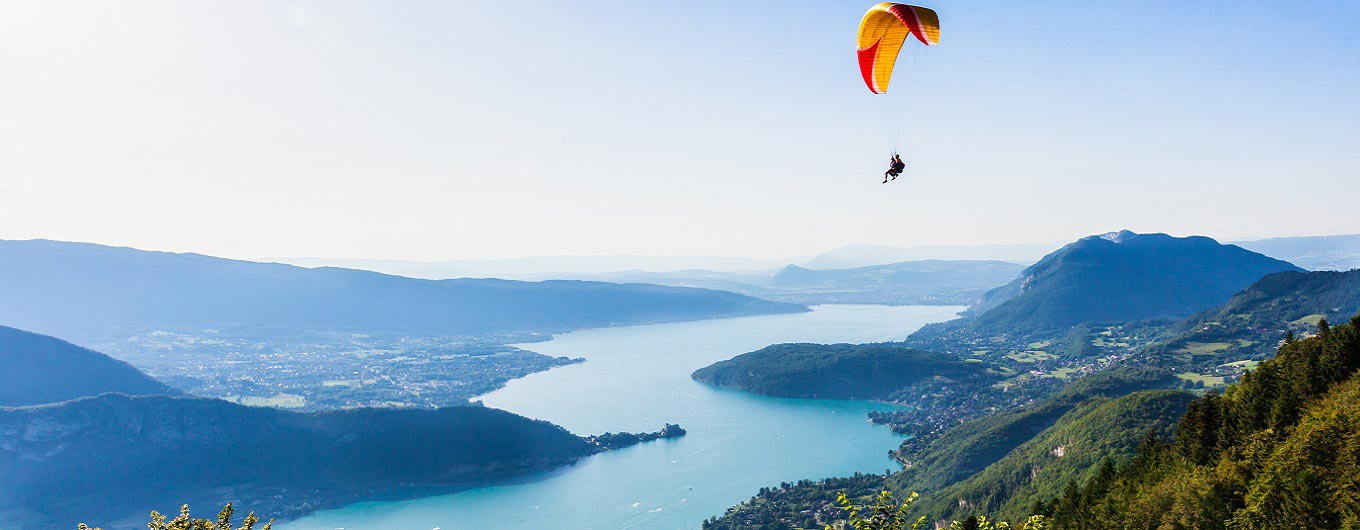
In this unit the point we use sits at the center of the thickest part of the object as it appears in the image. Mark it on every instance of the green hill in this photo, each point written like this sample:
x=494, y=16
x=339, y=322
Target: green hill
x=842, y=371
x=40, y=369
x=1278, y=450
x=1073, y=449
x=1253, y=322
x=118, y=456
x=936, y=461
x=1122, y=277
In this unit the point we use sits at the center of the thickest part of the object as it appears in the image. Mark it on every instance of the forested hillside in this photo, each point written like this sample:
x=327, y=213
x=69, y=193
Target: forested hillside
x=1278, y=450
x=1097, y=434
x=936, y=460
x=119, y=457
x=844, y=371
x=1253, y=322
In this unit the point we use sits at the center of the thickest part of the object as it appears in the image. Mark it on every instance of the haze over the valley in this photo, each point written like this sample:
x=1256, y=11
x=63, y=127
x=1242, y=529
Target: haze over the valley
x=360, y=130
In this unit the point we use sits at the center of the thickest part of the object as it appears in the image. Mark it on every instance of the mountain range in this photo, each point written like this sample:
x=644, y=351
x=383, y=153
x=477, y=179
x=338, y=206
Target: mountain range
x=1339, y=252
x=76, y=290
x=928, y=282
x=1334, y=253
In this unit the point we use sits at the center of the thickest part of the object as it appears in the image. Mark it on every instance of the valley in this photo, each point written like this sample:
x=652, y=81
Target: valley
x=315, y=370
x=620, y=265
x=636, y=377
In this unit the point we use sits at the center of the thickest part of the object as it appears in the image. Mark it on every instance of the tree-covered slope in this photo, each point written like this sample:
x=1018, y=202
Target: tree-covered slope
x=36, y=369
x=76, y=289
x=1253, y=322
x=1096, y=416
x=1123, y=277
x=1278, y=450
x=111, y=458
x=841, y=371
x=1096, y=434
x=937, y=460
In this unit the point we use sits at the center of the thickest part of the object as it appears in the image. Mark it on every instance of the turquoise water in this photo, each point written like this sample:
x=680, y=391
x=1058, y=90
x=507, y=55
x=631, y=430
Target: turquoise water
x=637, y=378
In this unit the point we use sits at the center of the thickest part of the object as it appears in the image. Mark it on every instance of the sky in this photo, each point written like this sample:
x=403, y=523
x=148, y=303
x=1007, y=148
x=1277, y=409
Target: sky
x=449, y=130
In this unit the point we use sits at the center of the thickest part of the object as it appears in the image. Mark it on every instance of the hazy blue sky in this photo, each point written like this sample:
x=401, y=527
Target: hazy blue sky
x=456, y=129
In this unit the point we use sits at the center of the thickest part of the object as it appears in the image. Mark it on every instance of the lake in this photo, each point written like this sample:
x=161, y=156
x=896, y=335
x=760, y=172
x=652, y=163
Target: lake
x=636, y=378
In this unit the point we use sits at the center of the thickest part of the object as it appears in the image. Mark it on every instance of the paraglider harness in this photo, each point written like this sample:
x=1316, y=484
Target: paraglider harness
x=897, y=167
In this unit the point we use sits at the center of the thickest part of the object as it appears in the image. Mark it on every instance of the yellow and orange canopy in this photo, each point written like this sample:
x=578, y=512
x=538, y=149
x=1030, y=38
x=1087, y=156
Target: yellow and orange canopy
x=882, y=33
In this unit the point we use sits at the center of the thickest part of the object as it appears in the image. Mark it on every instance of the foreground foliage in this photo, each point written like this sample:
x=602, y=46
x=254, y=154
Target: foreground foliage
x=887, y=514
x=185, y=522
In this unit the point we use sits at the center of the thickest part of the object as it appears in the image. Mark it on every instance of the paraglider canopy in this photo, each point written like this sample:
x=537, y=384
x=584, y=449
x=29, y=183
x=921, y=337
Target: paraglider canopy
x=882, y=33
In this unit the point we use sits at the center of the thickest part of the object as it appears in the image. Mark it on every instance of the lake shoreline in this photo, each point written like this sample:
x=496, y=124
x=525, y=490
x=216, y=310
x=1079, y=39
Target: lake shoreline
x=636, y=378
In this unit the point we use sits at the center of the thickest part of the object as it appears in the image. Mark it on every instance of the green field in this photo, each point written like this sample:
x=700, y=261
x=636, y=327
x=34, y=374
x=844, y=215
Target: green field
x=1245, y=364
x=352, y=383
x=1062, y=373
x=1040, y=345
x=1208, y=380
x=1311, y=320
x=366, y=353
x=1030, y=356
x=1203, y=348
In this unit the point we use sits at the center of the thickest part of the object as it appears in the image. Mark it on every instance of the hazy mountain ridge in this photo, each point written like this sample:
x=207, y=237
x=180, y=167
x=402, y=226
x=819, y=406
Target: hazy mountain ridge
x=1336, y=253
x=865, y=255
x=919, y=282
x=40, y=369
x=927, y=282
x=122, y=287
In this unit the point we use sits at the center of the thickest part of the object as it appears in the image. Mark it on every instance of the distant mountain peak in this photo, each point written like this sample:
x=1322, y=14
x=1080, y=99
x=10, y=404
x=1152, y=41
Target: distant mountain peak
x=1118, y=237
x=1121, y=276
